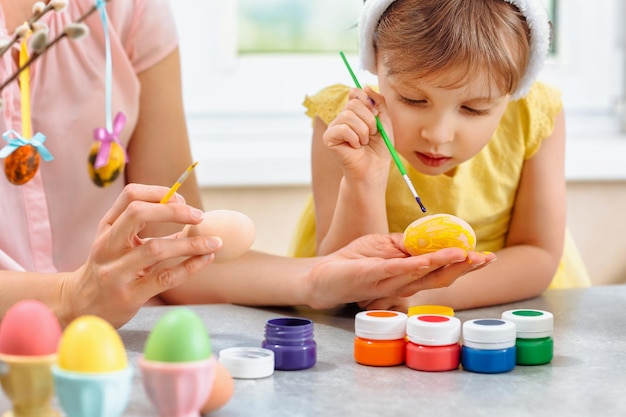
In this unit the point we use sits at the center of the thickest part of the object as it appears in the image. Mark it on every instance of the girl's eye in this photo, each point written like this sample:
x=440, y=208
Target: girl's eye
x=411, y=102
x=475, y=112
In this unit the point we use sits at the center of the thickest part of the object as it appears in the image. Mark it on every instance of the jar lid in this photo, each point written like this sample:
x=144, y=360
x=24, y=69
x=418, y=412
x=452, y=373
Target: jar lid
x=489, y=334
x=380, y=325
x=431, y=309
x=433, y=329
x=248, y=362
x=531, y=324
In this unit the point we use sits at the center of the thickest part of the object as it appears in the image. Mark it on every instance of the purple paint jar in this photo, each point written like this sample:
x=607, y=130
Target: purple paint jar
x=291, y=340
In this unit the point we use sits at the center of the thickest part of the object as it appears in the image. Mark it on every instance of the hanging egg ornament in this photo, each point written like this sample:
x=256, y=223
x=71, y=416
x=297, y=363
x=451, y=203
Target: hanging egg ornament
x=106, y=174
x=21, y=165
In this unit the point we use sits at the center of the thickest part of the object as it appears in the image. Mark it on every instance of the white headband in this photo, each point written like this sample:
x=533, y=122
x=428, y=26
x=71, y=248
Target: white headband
x=533, y=10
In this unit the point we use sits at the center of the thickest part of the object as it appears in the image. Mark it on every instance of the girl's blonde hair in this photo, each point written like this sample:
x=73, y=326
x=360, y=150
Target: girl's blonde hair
x=422, y=38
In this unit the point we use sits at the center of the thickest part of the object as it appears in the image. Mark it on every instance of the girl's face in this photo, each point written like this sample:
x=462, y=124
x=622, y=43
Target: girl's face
x=436, y=128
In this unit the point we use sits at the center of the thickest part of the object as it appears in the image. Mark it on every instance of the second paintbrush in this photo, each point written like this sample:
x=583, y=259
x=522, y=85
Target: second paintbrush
x=392, y=150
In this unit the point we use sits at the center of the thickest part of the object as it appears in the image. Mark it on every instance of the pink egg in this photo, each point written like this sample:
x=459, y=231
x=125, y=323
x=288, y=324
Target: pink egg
x=29, y=328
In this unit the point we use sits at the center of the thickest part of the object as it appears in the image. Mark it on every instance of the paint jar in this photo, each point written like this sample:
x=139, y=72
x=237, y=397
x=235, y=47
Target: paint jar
x=534, y=342
x=433, y=342
x=291, y=340
x=380, y=338
x=488, y=346
x=431, y=309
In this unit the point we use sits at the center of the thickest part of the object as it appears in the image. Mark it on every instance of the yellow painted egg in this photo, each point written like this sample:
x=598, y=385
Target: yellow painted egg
x=105, y=175
x=438, y=231
x=236, y=230
x=91, y=345
x=222, y=390
x=21, y=165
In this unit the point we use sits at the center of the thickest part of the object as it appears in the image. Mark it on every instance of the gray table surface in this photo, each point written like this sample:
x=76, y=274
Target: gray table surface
x=586, y=378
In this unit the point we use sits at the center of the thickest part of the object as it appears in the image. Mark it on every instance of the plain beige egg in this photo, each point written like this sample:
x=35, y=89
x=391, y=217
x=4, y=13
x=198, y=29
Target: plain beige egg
x=236, y=230
x=222, y=390
x=438, y=231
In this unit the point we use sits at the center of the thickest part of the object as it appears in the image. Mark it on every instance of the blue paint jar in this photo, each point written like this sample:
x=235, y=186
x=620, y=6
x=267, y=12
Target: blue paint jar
x=534, y=343
x=488, y=346
x=291, y=340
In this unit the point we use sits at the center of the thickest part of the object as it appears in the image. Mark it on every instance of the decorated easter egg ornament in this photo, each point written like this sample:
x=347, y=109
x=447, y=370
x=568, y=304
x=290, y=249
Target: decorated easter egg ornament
x=438, y=231
x=22, y=154
x=107, y=157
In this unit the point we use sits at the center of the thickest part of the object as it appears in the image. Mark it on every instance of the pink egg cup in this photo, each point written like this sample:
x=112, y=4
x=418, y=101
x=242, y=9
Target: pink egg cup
x=178, y=389
x=27, y=381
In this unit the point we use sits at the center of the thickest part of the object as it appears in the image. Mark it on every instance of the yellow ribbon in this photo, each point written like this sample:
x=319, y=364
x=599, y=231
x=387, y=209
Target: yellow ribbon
x=25, y=91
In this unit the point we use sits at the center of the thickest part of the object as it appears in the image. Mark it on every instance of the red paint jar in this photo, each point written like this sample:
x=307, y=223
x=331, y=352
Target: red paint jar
x=433, y=342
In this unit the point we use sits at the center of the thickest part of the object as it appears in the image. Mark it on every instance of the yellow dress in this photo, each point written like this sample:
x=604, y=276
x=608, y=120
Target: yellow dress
x=481, y=191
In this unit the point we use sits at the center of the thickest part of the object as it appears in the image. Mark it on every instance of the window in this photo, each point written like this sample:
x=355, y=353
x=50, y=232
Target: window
x=243, y=94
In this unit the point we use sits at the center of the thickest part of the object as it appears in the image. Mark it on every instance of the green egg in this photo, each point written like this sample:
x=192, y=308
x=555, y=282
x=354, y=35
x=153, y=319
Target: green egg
x=179, y=336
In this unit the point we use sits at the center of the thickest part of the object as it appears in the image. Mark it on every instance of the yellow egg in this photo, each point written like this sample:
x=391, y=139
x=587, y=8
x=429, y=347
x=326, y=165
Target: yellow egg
x=438, y=231
x=222, y=390
x=91, y=345
x=236, y=230
x=105, y=175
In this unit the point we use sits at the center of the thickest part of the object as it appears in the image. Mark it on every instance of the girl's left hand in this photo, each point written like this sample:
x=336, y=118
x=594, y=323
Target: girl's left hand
x=375, y=271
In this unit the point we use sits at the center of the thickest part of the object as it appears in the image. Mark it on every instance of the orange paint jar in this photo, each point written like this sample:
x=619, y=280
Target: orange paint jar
x=380, y=338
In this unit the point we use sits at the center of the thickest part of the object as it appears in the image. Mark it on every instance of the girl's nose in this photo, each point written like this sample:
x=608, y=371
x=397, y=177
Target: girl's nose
x=438, y=130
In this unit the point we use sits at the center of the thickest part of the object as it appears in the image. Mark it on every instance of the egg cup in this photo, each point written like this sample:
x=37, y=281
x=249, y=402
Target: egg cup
x=27, y=381
x=178, y=389
x=97, y=394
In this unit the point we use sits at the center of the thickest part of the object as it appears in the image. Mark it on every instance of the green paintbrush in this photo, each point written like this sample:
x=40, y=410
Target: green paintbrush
x=392, y=150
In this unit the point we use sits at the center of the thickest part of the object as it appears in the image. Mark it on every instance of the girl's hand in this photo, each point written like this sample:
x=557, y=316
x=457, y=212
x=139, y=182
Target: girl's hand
x=354, y=139
x=375, y=267
x=123, y=270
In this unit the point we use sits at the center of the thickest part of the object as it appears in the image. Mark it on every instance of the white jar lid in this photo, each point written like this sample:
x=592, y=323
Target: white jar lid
x=433, y=329
x=380, y=325
x=531, y=324
x=248, y=362
x=489, y=334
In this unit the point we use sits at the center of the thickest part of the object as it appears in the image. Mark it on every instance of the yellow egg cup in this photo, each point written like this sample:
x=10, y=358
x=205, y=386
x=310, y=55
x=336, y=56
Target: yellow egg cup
x=28, y=383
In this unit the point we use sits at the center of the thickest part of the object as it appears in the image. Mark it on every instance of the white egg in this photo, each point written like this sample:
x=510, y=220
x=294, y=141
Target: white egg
x=236, y=230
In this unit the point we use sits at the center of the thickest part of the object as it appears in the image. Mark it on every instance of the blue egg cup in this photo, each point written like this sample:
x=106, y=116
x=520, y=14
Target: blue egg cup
x=103, y=394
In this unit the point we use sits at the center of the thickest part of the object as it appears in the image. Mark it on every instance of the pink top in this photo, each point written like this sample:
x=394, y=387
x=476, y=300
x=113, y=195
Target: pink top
x=38, y=220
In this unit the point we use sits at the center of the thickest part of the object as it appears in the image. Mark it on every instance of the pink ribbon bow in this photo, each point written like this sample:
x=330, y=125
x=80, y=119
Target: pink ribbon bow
x=106, y=137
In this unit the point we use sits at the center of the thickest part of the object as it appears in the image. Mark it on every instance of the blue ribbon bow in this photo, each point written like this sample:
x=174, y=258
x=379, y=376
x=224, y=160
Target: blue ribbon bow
x=17, y=141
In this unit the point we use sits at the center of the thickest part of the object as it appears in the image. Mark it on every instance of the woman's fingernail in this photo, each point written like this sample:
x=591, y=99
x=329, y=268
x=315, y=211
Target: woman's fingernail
x=214, y=243
x=197, y=213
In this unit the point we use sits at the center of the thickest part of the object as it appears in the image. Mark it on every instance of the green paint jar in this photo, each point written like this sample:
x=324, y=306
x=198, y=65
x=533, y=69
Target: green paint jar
x=534, y=328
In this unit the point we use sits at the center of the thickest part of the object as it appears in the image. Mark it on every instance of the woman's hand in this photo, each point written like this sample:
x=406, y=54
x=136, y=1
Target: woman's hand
x=376, y=272
x=354, y=139
x=124, y=270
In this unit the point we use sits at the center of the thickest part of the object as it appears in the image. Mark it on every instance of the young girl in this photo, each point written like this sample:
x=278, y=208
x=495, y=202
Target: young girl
x=479, y=138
